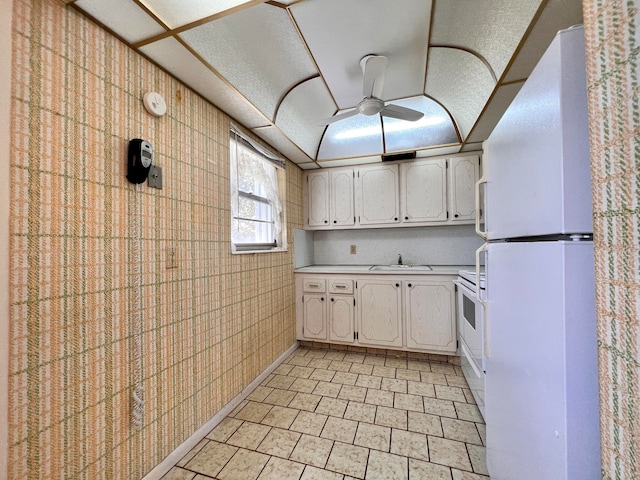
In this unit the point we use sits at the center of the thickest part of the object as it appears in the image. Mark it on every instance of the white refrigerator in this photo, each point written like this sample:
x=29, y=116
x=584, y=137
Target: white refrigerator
x=541, y=354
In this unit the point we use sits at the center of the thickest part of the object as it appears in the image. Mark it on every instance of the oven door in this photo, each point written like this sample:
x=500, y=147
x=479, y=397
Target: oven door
x=473, y=375
x=471, y=324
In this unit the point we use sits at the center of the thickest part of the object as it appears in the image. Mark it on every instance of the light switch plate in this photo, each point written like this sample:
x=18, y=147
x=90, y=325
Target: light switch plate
x=155, y=177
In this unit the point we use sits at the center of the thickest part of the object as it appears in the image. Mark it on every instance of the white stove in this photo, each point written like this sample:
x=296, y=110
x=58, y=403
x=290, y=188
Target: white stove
x=471, y=330
x=471, y=278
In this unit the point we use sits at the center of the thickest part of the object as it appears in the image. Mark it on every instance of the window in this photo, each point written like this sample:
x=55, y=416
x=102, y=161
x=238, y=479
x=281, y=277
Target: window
x=257, y=215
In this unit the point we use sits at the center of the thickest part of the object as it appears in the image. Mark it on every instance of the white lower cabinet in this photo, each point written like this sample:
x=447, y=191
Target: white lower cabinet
x=379, y=313
x=429, y=313
x=341, y=318
x=315, y=313
x=404, y=312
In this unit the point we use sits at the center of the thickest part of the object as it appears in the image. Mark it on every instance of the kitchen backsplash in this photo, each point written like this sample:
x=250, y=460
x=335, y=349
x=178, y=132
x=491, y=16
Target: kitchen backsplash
x=447, y=245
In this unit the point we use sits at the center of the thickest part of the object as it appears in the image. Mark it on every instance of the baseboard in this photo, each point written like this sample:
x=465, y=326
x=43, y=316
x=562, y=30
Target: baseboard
x=185, y=447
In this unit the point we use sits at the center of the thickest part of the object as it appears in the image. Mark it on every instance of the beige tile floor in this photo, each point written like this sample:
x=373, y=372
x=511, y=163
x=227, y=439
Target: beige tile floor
x=335, y=415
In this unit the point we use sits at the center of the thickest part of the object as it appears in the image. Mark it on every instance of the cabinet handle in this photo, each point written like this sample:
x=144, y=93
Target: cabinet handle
x=406, y=218
x=335, y=221
x=333, y=299
x=397, y=285
x=395, y=219
x=313, y=285
x=409, y=285
x=326, y=221
x=322, y=299
x=340, y=286
x=456, y=215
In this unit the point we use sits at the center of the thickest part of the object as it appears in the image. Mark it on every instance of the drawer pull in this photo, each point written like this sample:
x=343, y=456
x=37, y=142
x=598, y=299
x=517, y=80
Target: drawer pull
x=340, y=286
x=313, y=285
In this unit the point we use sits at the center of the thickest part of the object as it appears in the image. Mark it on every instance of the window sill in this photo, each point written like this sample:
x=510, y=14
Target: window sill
x=272, y=250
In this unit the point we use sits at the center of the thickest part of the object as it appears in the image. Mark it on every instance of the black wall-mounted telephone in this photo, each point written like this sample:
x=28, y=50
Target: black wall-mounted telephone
x=139, y=160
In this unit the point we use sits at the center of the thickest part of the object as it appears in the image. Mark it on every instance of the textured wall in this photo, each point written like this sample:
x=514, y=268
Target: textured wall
x=210, y=326
x=613, y=54
x=442, y=245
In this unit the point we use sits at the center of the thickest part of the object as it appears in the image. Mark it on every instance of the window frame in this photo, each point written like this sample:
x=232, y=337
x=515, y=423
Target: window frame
x=238, y=139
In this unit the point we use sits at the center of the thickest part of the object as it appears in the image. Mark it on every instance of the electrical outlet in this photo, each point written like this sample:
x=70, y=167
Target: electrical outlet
x=172, y=258
x=352, y=249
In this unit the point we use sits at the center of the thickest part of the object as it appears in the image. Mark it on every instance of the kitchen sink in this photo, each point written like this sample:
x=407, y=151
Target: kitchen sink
x=400, y=268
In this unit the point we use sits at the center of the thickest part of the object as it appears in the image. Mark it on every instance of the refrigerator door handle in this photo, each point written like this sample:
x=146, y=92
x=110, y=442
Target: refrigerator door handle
x=480, y=209
x=483, y=301
x=483, y=248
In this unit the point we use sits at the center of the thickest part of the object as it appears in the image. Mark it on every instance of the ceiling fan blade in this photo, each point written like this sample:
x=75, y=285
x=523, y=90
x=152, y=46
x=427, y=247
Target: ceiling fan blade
x=340, y=116
x=402, y=113
x=374, y=68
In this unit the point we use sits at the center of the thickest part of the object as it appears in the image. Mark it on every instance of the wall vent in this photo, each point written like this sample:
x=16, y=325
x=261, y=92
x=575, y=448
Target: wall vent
x=399, y=156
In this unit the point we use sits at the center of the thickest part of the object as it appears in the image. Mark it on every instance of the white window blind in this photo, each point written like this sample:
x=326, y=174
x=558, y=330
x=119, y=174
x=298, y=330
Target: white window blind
x=256, y=209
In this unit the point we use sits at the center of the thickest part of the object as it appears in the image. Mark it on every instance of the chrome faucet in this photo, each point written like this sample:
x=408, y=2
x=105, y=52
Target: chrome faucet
x=399, y=259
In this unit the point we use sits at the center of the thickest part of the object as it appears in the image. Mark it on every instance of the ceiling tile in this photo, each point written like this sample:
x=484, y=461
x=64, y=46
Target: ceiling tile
x=176, y=14
x=278, y=140
x=496, y=107
x=300, y=112
x=432, y=152
x=460, y=82
x=472, y=147
x=435, y=128
x=356, y=136
x=172, y=55
x=557, y=15
x=489, y=28
x=258, y=50
x=308, y=166
x=122, y=17
x=340, y=33
x=345, y=162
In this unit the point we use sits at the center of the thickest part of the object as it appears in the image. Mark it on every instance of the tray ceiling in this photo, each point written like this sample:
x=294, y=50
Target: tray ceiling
x=279, y=67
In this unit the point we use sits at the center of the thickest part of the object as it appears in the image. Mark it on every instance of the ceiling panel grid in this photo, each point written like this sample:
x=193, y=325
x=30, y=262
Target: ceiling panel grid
x=281, y=67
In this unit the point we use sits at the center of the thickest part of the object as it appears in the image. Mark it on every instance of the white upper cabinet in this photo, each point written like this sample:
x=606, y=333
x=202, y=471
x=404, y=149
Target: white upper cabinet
x=463, y=175
x=341, y=204
x=318, y=199
x=330, y=199
x=423, y=191
x=378, y=195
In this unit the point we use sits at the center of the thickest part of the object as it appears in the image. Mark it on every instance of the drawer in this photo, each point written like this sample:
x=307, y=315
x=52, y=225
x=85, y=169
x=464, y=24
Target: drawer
x=314, y=285
x=341, y=286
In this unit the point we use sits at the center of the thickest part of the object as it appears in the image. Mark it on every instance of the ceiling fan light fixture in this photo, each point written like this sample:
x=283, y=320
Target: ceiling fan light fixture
x=370, y=106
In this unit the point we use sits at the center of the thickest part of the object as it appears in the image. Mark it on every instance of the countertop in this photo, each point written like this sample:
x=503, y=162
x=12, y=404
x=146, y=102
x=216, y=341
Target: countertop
x=366, y=269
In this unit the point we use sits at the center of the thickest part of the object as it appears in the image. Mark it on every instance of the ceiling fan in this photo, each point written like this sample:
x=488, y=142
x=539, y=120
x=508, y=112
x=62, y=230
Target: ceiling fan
x=374, y=69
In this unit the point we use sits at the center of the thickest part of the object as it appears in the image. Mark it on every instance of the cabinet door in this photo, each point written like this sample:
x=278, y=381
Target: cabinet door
x=318, y=199
x=463, y=175
x=341, y=205
x=315, y=314
x=423, y=190
x=379, y=313
x=341, y=318
x=429, y=309
x=378, y=195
